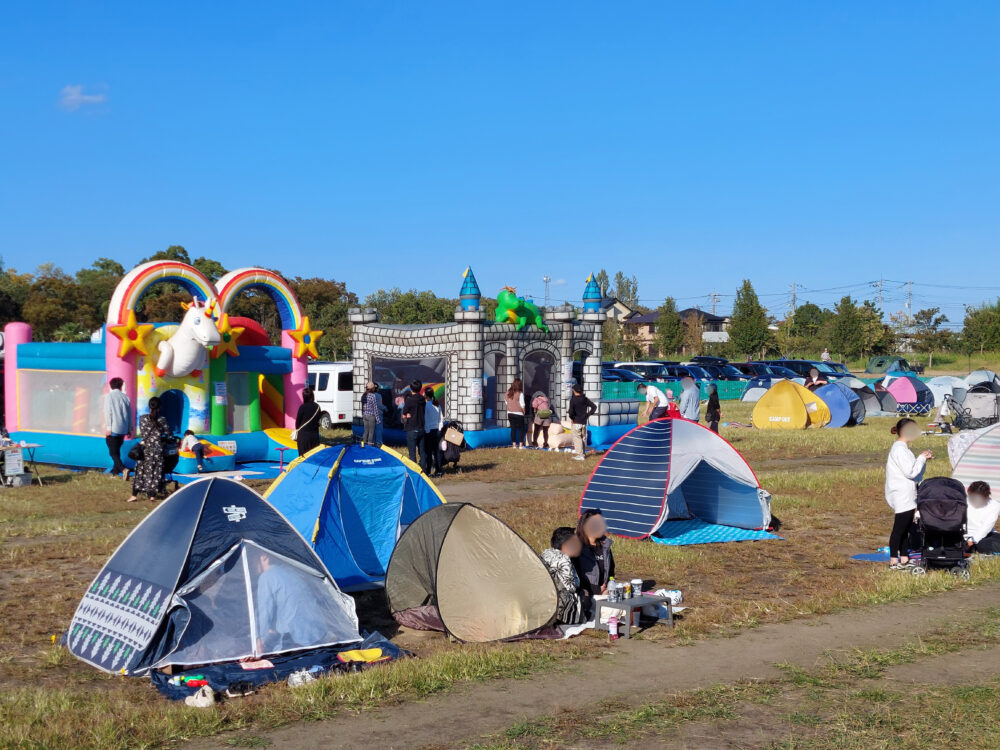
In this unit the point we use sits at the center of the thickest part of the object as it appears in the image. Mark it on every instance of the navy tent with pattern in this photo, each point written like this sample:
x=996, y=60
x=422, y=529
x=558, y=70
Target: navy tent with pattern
x=673, y=469
x=213, y=575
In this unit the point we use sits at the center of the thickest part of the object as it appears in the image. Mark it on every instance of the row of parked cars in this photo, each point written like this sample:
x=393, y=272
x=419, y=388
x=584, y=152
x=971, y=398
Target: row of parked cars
x=705, y=368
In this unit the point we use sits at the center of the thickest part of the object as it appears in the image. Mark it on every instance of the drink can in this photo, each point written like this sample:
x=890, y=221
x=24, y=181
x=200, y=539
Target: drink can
x=636, y=587
x=628, y=590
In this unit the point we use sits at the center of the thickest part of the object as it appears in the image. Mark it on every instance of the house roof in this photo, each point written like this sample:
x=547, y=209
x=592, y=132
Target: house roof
x=706, y=316
x=644, y=318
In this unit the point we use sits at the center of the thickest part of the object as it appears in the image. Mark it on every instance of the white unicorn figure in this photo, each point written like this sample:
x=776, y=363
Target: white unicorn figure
x=186, y=351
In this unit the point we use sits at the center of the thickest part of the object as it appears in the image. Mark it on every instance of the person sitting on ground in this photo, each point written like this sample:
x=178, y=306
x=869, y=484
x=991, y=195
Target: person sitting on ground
x=983, y=512
x=903, y=472
x=596, y=563
x=656, y=402
x=581, y=409
x=815, y=380
x=558, y=559
x=542, y=419
x=192, y=444
x=286, y=613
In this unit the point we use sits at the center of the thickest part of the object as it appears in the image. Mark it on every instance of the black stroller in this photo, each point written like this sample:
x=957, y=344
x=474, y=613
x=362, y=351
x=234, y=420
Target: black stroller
x=451, y=451
x=942, y=506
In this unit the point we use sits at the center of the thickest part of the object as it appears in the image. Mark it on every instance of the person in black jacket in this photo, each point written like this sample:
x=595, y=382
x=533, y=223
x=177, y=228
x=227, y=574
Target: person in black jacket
x=714, y=411
x=413, y=419
x=307, y=423
x=596, y=563
x=580, y=410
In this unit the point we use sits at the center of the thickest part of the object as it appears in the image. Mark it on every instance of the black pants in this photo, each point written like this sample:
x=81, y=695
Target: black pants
x=431, y=452
x=198, y=449
x=714, y=426
x=517, y=432
x=658, y=411
x=899, y=538
x=989, y=544
x=414, y=440
x=115, y=451
x=541, y=428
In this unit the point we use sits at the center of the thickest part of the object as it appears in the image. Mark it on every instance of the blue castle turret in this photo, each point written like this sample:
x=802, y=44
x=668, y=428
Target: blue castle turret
x=470, y=295
x=591, y=296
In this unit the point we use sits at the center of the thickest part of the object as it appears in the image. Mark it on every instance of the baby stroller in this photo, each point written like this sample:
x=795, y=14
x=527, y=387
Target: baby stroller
x=451, y=451
x=942, y=506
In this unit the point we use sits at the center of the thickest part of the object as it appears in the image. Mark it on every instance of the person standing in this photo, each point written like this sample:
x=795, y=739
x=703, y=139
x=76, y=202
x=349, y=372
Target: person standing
x=433, y=420
x=825, y=356
x=307, y=422
x=581, y=409
x=371, y=414
x=690, y=401
x=713, y=412
x=515, y=413
x=413, y=419
x=903, y=472
x=656, y=402
x=150, y=478
x=118, y=419
x=542, y=410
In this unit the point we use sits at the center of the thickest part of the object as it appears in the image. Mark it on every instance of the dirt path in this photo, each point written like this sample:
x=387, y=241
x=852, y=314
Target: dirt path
x=630, y=671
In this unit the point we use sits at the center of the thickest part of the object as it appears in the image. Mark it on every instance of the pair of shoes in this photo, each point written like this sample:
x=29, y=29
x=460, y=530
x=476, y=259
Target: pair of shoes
x=908, y=565
x=201, y=469
x=204, y=698
x=579, y=458
x=239, y=689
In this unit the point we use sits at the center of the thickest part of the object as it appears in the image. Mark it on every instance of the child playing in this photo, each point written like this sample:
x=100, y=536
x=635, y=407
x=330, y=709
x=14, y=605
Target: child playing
x=557, y=558
x=192, y=444
x=903, y=472
x=983, y=512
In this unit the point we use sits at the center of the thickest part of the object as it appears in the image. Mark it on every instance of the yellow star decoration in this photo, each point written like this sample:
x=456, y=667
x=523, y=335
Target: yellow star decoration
x=132, y=335
x=306, y=339
x=229, y=335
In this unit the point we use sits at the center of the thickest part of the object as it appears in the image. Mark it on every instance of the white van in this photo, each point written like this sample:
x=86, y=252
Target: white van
x=333, y=385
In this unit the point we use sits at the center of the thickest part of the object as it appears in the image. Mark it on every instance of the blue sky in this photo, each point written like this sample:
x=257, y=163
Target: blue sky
x=392, y=143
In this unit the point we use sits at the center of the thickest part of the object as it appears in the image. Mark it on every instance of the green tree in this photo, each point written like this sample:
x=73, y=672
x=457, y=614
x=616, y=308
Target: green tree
x=981, y=329
x=669, y=328
x=693, y=334
x=846, y=333
x=929, y=334
x=603, y=282
x=396, y=306
x=98, y=283
x=212, y=269
x=876, y=336
x=626, y=288
x=173, y=252
x=326, y=302
x=55, y=300
x=748, y=334
x=14, y=289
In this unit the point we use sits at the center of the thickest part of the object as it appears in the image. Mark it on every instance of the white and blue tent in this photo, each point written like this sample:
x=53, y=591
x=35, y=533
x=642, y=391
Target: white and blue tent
x=846, y=406
x=673, y=469
x=352, y=503
x=211, y=576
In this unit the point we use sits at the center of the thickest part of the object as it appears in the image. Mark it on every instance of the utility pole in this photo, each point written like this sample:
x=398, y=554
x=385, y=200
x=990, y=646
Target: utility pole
x=546, y=278
x=715, y=301
x=878, y=285
x=909, y=303
x=793, y=302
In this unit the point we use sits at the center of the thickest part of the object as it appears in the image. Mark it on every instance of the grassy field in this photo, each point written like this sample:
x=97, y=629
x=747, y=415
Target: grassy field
x=827, y=488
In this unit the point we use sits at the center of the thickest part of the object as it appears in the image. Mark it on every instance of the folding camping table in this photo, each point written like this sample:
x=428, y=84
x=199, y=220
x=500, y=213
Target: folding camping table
x=28, y=452
x=636, y=602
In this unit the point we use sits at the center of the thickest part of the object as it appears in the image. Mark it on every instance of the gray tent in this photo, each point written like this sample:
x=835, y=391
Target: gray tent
x=887, y=402
x=459, y=569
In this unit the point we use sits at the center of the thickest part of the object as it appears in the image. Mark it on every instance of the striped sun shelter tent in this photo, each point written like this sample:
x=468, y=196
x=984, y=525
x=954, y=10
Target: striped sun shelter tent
x=673, y=469
x=981, y=458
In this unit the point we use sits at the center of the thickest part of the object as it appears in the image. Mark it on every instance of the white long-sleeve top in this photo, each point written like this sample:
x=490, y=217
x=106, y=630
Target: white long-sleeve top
x=981, y=521
x=903, y=471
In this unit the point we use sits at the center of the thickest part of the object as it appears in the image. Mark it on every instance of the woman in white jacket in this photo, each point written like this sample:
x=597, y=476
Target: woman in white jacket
x=903, y=472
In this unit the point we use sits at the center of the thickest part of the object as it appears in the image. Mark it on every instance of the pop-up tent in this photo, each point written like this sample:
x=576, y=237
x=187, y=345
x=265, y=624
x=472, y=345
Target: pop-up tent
x=213, y=575
x=912, y=396
x=983, y=381
x=459, y=569
x=352, y=503
x=846, y=408
x=673, y=469
x=946, y=385
x=789, y=406
x=976, y=456
x=757, y=387
x=864, y=391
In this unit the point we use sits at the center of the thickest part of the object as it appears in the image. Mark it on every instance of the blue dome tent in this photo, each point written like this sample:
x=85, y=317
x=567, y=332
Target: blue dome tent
x=673, y=469
x=211, y=576
x=846, y=406
x=352, y=503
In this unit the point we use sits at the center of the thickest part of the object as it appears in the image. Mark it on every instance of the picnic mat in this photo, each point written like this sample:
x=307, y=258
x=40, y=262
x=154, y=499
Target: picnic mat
x=880, y=556
x=696, y=531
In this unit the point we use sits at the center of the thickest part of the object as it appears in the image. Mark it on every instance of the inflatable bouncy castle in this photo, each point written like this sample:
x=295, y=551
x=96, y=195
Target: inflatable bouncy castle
x=218, y=376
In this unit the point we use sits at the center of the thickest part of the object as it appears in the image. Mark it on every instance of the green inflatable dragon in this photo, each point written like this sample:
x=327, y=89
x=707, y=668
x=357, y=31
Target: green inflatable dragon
x=517, y=310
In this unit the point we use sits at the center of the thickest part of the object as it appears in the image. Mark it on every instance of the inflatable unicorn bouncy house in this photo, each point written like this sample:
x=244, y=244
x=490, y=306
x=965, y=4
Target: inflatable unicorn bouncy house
x=218, y=376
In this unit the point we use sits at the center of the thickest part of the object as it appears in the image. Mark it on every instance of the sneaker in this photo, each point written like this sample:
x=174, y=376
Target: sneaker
x=579, y=458
x=204, y=698
x=300, y=678
x=900, y=566
x=239, y=689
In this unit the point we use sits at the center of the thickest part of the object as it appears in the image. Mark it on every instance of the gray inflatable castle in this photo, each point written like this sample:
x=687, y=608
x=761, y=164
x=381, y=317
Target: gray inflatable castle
x=472, y=361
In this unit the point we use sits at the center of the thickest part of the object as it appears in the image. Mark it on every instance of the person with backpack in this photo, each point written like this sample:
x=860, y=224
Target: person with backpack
x=543, y=418
x=413, y=411
x=515, y=413
x=307, y=422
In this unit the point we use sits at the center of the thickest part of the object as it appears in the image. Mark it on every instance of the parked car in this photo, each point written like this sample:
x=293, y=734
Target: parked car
x=704, y=359
x=686, y=371
x=618, y=375
x=801, y=368
x=333, y=386
x=764, y=370
x=723, y=371
x=647, y=370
